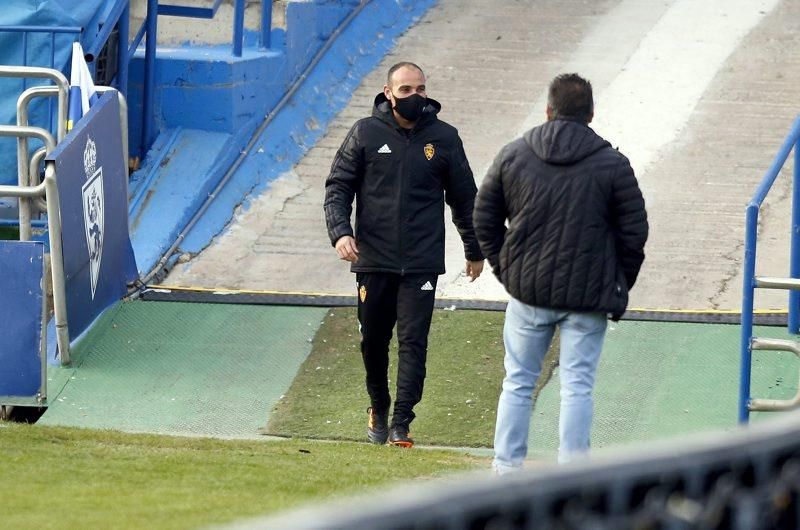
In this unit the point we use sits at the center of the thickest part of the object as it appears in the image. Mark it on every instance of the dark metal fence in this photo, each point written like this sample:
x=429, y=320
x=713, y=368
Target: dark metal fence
x=748, y=478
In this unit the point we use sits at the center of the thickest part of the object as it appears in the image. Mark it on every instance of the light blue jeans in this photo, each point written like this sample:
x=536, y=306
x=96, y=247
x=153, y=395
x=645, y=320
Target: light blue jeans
x=527, y=335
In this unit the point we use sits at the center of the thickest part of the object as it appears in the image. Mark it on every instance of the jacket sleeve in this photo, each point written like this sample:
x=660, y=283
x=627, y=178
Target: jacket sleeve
x=460, y=190
x=341, y=186
x=630, y=221
x=491, y=213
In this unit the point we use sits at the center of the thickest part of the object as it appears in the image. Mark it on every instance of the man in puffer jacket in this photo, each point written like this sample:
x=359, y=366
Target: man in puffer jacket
x=570, y=254
x=401, y=165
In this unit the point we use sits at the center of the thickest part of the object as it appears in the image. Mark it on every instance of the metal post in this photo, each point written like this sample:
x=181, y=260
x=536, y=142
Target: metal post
x=748, y=291
x=33, y=179
x=122, y=50
x=24, y=203
x=148, y=124
x=52, y=65
x=266, y=24
x=57, y=262
x=24, y=101
x=238, y=27
x=794, y=263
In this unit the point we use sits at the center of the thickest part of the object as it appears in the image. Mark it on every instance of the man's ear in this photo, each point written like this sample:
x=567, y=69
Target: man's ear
x=549, y=113
x=591, y=117
x=387, y=92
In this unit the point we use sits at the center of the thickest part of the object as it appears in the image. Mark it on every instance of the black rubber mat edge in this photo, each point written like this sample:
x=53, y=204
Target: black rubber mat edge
x=209, y=296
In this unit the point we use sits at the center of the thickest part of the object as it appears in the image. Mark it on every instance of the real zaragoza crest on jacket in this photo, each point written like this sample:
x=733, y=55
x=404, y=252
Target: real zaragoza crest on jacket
x=93, y=210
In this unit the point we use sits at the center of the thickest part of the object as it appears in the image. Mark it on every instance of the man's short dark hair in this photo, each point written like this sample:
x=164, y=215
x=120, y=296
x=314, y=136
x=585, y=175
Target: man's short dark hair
x=398, y=66
x=570, y=96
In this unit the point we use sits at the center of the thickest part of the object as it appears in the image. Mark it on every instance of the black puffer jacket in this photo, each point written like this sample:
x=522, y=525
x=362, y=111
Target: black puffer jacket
x=577, y=223
x=401, y=181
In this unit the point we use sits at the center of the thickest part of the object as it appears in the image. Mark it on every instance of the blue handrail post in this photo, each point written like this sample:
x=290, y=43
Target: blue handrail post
x=148, y=124
x=748, y=291
x=266, y=24
x=238, y=27
x=123, y=30
x=794, y=264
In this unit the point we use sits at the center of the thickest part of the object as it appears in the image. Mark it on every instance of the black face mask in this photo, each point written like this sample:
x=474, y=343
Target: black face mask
x=410, y=107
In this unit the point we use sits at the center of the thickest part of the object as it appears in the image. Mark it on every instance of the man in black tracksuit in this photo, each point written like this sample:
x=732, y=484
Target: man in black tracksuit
x=401, y=165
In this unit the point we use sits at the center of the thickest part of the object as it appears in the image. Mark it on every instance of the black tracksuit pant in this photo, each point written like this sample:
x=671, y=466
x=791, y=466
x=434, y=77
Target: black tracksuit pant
x=383, y=300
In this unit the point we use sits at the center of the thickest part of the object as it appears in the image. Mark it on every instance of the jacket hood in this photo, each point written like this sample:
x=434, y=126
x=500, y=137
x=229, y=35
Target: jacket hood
x=382, y=109
x=563, y=141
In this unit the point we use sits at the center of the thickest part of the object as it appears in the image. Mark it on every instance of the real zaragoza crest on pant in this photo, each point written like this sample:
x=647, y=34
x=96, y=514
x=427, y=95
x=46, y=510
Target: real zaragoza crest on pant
x=93, y=210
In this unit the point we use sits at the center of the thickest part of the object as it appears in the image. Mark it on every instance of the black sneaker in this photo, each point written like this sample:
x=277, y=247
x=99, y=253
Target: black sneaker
x=398, y=435
x=377, y=426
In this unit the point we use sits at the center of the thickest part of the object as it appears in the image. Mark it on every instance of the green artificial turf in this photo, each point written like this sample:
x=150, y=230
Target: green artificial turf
x=9, y=233
x=458, y=408
x=55, y=477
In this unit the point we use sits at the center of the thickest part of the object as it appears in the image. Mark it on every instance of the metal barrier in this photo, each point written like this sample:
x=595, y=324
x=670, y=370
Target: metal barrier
x=119, y=17
x=45, y=91
x=27, y=191
x=49, y=191
x=25, y=31
x=150, y=27
x=752, y=282
x=748, y=479
x=62, y=86
x=238, y=20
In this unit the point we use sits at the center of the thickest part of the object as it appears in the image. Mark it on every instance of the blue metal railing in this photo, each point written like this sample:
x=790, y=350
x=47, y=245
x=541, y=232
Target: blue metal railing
x=238, y=19
x=119, y=17
x=25, y=32
x=750, y=282
x=150, y=27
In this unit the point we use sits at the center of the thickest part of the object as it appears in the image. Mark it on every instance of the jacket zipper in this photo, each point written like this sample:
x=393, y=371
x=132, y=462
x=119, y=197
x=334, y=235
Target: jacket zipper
x=402, y=212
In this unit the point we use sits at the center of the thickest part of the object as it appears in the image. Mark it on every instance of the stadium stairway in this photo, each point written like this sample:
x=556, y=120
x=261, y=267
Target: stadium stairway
x=678, y=110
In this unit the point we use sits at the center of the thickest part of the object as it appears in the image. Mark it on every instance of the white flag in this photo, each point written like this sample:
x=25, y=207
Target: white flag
x=82, y=93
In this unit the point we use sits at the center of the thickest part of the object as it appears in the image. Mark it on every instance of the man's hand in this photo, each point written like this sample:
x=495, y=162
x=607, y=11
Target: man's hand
x=347, y=250
x=474, y=269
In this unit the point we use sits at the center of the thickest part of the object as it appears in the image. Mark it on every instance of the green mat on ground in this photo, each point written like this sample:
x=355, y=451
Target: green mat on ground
x=655, y=380
x=177, y=368
x=464, y=373
x=661, y=379
x=9, y=232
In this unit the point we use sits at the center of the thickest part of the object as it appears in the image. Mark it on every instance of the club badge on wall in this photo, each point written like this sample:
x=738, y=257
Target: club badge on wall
x=93, y=210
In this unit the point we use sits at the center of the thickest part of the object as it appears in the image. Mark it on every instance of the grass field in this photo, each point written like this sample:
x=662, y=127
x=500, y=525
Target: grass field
x=76, y=478
x=464, y=374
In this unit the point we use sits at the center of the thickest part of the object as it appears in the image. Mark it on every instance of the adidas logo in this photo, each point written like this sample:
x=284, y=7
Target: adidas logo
x=426, y=287
x=385, y=149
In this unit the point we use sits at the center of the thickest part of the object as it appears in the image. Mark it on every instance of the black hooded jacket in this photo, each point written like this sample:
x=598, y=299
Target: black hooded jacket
x=401, y=180
x=577, y=223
